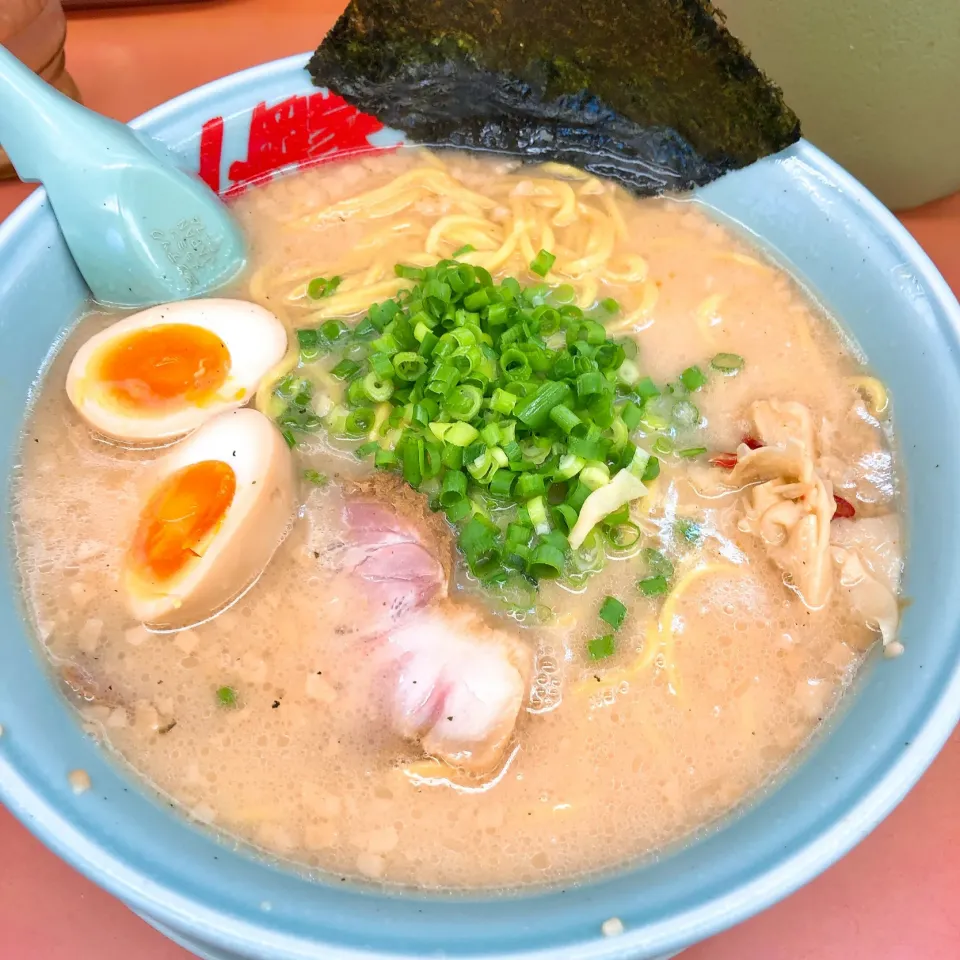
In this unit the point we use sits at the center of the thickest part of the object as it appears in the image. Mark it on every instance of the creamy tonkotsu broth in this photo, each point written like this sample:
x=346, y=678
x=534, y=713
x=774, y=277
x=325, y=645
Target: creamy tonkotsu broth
x=279, y=720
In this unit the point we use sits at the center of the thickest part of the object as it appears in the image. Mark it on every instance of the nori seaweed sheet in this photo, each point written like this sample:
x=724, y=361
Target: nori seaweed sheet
x=654, y=93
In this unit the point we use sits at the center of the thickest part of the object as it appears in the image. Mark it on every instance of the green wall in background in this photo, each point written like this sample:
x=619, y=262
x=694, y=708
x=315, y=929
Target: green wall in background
x=876, y=84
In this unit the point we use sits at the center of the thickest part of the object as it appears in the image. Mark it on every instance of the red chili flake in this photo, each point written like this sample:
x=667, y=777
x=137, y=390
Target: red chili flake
x=752, y=442
x=725, y=460
x=845, y=509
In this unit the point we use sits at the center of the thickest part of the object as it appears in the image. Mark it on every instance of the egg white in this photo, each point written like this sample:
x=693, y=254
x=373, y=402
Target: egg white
x=252, y=528
x=254, y=337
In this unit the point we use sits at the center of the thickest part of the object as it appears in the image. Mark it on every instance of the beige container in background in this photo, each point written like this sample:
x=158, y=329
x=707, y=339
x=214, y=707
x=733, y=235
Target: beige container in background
x=876, y=84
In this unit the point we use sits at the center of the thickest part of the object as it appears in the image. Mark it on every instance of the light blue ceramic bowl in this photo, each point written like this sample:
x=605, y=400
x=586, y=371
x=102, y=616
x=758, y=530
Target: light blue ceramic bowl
x=826, y=228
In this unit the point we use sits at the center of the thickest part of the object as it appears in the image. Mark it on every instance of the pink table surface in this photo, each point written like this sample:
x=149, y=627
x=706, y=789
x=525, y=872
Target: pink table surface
x=895, y=897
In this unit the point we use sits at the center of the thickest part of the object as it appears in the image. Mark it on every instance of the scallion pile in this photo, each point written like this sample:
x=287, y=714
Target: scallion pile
x=508, y=406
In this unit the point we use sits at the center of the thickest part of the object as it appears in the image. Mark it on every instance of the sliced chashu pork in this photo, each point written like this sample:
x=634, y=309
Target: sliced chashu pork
x=456, y=684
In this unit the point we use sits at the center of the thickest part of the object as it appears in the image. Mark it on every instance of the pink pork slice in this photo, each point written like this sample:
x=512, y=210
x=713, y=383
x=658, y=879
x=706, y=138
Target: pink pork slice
x=457, y=684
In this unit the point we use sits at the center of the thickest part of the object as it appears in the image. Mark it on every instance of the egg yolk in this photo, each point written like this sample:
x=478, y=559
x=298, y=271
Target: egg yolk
x=163, y=366
x=178, y=518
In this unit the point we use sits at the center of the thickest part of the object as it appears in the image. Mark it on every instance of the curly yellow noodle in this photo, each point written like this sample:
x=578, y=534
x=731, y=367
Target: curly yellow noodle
x=505, y=228
x=610, y=205
x=405, y=229
x=259, y=281
x=264, y=400
x=565, y=171
x=430, y=157
x=454, y=225
x=493, y=260
x=551, y=194
x=526, y=246
x=708, y=316
x=602, y=239
x=548, y=240
x=639, y=318
x=874, y=395
x=345, y=304
x=587, y=291
x=744, y=260
x=394, y=197
x=635, y=271
x=376, y=273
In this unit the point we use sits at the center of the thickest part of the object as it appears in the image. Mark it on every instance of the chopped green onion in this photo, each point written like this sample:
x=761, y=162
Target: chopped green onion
x=591, y=384
x=408, y=365
x=599, y=648
x=657, y=563
x=359, y=422
x=568, y=467
x=459, y=383
x=631, y=414
x=639, y=462
x=442, y=379
x=345, y=369
x=613, y=612
x=480, y=542
x=546, y=562
x=376, y=388
x=315, y=477
x=501, y=486
x=384, y=459
x=565, y=418
x=459, y=511
x=689, y=530
x=691, y=452
x=651, y=471
x=534, y=411
x=622, y=536
x=646, y=389
x=729, y=364
x=653, y=586
x=685, y=413
x=320, y=287
x=461, y=251
x=463, y=402
x=537, y=511
x=542, y=263
x=663, y=446
x=453, y=489
x=565, y=516
x=309, y=344
x=529, y=485
x=460, y=434
x=610, y=305
x=515, y=365
x=408, y=273
x=595, y=474
x=693, y=378
x=227, y=697
x=365, y=449
x=380, y=365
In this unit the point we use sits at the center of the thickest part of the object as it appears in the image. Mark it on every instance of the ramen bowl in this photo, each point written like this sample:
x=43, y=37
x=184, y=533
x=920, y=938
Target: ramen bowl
x=222, y=901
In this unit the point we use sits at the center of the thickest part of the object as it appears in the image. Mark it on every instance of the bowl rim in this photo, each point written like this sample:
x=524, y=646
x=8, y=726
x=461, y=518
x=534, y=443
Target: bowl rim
x=168, y=907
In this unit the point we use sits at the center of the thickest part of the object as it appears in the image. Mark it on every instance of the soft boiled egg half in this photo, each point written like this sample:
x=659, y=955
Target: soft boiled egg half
x=160, y=373
x=215, y=509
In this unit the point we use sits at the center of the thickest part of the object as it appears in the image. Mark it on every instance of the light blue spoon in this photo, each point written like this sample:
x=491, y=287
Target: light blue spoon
x=141, y=230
